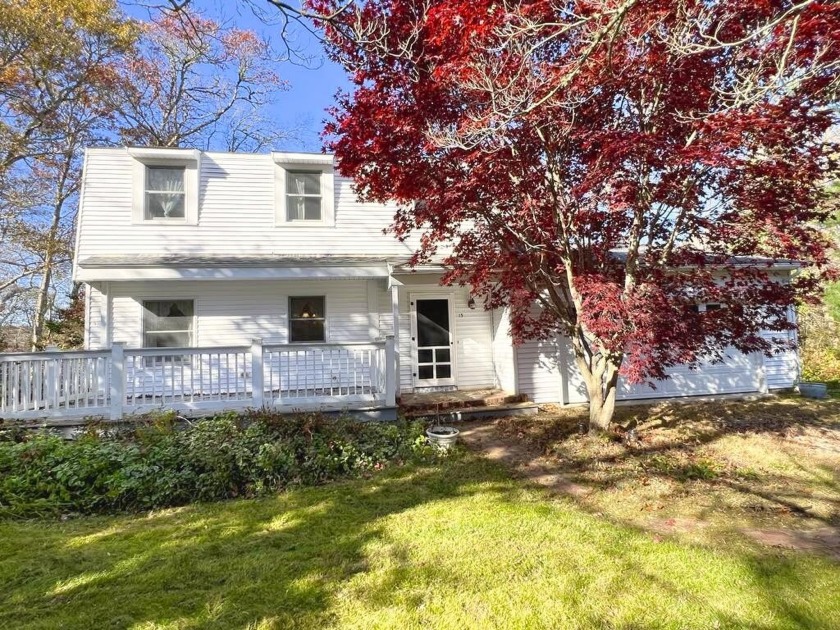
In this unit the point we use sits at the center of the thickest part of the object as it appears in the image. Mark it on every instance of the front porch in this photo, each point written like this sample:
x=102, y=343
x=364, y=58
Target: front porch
x=116, y=383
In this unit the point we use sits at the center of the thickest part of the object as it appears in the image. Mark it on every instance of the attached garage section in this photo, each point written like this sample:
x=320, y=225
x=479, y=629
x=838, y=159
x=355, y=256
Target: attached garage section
x=546, y=373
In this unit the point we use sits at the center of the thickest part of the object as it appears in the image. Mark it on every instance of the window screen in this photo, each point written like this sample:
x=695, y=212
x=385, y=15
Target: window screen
x=307, y=319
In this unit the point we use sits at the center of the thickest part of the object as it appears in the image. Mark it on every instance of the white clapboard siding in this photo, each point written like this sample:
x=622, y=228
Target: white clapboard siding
x=234, y=313
x=504, y=360
x=547, y=372
x=781, y=369
x=539, y=371
x=236, y=215
x=96, y=320
x=474, y=344
x=738, y=373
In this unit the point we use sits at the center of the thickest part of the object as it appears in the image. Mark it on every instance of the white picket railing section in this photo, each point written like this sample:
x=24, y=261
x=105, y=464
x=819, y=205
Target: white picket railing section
x=116, y=382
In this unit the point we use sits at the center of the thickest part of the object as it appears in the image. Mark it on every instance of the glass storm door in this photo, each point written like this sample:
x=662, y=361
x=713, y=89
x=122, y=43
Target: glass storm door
x=433, y=338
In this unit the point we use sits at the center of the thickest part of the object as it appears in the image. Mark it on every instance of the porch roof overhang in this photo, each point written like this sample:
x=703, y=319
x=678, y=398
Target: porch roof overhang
x=269, y=267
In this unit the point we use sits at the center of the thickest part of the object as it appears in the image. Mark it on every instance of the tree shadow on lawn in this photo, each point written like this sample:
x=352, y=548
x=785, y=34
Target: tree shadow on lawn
x=678, y=444
x=456, y=544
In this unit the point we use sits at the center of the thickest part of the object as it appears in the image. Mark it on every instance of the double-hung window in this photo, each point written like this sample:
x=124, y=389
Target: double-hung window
x=164, y=186
x=303, y=196
x=304, y=189
x=307, y=320
x=165, y=192
x=167, y=324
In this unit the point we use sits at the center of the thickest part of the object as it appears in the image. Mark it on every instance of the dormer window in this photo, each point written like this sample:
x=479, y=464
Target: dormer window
x=303, y=196
x=165, y=192
x=304, y=190
x=165, y=185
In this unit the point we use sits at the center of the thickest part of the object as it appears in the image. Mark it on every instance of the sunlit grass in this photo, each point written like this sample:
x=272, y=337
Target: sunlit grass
x=454, y=545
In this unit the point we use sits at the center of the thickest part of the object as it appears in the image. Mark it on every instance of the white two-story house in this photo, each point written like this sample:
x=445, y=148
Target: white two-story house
x=187, y=253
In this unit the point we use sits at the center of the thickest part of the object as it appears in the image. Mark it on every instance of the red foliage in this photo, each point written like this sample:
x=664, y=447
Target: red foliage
x=607, y=159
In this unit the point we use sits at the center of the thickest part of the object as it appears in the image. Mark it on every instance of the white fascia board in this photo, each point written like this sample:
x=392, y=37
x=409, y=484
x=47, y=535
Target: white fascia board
x=286, y=157
x=162, y=153
x=228, y=273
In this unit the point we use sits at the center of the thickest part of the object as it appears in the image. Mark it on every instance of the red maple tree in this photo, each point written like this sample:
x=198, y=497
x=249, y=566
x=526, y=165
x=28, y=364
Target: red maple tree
x=614, y=162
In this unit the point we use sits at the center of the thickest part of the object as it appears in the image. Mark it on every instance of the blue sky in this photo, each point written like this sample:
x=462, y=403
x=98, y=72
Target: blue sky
x=311, y=86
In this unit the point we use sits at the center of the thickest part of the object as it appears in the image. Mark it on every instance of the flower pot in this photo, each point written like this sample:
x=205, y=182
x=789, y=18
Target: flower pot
x=813, y=390
x=442, y=437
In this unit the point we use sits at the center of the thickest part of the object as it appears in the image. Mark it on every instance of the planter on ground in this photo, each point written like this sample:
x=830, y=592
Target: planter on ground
x=442, y=437
x=813, y=390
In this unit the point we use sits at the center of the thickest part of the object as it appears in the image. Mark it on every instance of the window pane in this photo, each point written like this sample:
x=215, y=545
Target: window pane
x=432, y=323
x=424, y=356
x=442, y=355
x=426, y=371
x=306, y=307
x=444, y=371
x=167, y=323
x=313, y=208
x=165, y=178
x=303, y=208
x=163, y=205
x=303, y=183
x=295, y=208
x=167, y=340
x=306, y=330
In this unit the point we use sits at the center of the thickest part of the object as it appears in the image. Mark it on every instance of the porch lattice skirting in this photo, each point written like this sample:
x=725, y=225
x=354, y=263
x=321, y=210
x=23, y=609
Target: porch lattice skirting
x=118, y=382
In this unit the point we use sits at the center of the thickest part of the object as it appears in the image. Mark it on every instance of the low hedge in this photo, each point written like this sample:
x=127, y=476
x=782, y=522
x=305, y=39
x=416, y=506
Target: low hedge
x=159, y=463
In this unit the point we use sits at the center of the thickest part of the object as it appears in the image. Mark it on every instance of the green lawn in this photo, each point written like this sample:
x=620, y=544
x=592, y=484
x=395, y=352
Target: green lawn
x=458, y=544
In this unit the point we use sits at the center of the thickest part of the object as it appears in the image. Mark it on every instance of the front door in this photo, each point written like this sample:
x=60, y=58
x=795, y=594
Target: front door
x=434, y=361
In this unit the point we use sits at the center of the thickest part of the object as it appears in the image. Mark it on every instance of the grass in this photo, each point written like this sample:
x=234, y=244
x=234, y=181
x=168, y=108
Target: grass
x=451, y=545
x=713, y=470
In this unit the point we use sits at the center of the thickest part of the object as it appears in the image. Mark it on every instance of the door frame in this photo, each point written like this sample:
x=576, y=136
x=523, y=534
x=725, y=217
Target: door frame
x=412, y=301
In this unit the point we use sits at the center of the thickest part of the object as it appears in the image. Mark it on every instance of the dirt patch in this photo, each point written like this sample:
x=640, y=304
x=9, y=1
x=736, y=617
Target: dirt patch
x=767, y=470
x=484, y=437
x=825, y=540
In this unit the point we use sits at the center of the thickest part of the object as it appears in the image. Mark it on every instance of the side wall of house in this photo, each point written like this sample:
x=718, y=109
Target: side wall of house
x=546, y=372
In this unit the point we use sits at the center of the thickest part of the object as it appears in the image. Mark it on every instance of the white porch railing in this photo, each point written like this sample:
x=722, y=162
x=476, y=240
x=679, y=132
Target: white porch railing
x=119, y=381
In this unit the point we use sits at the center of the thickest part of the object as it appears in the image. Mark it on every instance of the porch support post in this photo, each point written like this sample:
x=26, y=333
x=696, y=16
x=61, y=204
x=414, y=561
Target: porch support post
x=390, y=373
x=395, y=314
x=257, y=380
x=117, y=379
x=51, y=380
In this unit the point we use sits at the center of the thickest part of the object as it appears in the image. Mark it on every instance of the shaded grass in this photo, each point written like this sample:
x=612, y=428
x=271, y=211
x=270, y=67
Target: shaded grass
x=452, y=545
x=724, y=466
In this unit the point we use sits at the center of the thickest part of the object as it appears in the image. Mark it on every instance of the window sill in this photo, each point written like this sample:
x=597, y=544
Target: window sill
x=304, y=224
x=164, y=222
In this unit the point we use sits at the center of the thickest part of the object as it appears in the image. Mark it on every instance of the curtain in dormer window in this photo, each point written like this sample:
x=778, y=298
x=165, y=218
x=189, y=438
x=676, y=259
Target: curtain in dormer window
x=165, y=192
x=303, y=196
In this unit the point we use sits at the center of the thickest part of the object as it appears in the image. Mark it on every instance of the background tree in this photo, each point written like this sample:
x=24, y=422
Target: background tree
x=194, y=82
x=607, y=160
x=80, y=73
x=57, y=62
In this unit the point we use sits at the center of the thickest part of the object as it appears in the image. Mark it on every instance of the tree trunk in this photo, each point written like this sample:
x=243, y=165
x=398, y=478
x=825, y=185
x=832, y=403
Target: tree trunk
x=42, y=302
x=601, y=378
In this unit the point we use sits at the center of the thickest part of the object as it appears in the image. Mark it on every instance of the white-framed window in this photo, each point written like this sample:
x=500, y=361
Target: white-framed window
x=165, y=192
x=165, y=185
x=307, y=319
x=303, y=196
x=304, y=190
x=168, y=324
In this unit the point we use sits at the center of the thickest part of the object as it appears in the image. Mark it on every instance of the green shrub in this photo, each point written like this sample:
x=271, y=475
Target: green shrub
x=158, y=464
